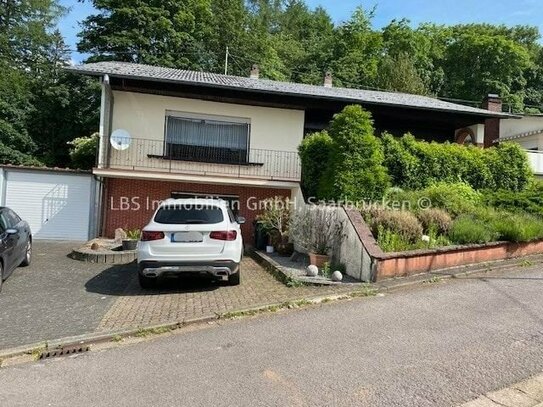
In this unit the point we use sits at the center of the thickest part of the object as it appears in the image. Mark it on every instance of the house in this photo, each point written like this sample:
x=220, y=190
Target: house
x=175, y=133
x=528, y=132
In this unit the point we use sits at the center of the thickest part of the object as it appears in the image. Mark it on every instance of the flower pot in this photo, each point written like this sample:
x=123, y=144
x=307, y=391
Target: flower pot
x=269, y=249
x=318, y=259
x=285, y=249
x=130, y=244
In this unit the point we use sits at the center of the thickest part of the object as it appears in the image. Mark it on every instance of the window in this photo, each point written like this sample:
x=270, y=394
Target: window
x=189, y=215
x=4, y=222
x=208, y=140
x=232, y=200
x=12, y=217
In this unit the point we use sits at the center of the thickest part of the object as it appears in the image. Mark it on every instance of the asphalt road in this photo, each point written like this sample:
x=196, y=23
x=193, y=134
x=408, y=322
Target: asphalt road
x=438, y=345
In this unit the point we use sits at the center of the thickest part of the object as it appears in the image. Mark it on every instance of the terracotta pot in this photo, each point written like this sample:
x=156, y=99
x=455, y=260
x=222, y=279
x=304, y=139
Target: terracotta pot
x=318, y=259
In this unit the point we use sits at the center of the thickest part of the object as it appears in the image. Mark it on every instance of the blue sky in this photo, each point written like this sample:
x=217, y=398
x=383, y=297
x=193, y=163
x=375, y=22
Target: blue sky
x=508, y=12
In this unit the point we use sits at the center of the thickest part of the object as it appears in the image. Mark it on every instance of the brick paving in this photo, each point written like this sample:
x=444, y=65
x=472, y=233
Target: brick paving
x=58, y=297
x=178, y=301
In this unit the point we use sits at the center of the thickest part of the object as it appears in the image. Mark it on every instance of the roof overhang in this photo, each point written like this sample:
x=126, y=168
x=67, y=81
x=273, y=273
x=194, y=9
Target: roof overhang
x=279, y=89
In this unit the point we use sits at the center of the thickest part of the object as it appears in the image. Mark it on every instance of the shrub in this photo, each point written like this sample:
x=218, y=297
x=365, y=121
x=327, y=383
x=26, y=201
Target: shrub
x=401, y=222
x=518, y=227
x=390, y=241
x=402, y=166
x=456, y=198
x=434, y=219
x=314, y=154
x=276, y=217
x=467, y=229
x=529, y=200
x=417, y=164
x=356, y=171
x=509, y=164
x=83, y=151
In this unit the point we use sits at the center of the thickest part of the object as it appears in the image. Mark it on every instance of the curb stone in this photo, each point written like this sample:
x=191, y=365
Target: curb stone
x=528, y=393
x=359, y=290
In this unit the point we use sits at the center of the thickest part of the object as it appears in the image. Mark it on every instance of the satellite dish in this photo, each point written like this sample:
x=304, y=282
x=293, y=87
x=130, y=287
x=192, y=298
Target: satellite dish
x=120, y=139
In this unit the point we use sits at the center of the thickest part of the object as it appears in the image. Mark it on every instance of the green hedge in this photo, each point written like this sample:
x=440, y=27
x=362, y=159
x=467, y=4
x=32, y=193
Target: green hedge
x=355, y=170
x=315, y=156
x=530, y=200
x=414, y=164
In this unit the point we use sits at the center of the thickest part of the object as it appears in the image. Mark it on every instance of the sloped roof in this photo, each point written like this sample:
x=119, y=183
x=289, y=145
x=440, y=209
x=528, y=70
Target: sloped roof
x=520, y=135
x=205, y=79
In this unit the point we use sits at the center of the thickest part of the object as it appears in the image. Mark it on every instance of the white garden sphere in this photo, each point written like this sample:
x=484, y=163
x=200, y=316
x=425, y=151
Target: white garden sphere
x=312, y=271
x=337, y=276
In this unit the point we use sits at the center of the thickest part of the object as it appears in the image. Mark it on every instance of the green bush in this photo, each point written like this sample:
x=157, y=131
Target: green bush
x=83, y=151
x=314, y=154
x=434, y=220
x=456, y=198
x=390, y=241
x=518, y=227
x=467, y=229
x=356, y=171
x=530, y=200
x=414, y=164
x=509, y=164
x=401, y=222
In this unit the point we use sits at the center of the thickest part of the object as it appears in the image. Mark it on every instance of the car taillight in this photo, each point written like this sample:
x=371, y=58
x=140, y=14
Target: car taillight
x=147, y=236
x=224, y=235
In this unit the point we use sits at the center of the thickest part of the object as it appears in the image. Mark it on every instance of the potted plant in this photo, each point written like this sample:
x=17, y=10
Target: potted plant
x=131, y=241
x=317, y=230
x=276, y=221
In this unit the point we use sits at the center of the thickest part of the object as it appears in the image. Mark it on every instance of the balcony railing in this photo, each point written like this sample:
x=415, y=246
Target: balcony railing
x=536, y=161
x=157, y=156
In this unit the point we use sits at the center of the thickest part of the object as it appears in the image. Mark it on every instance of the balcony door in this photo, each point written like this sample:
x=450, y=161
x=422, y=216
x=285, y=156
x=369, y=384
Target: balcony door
x=207, y=139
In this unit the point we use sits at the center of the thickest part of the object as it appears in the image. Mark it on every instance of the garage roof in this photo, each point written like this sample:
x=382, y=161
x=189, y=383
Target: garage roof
x=205, y=79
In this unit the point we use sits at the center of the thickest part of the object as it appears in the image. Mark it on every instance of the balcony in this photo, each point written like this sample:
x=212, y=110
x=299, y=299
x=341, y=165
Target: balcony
x=536, y=161
x=145, y=155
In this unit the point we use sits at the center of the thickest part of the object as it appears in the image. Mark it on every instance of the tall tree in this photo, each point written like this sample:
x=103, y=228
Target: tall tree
x=171, y=33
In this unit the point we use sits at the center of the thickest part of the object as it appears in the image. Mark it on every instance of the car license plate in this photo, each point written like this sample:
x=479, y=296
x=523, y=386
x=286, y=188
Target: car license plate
x=187, y=237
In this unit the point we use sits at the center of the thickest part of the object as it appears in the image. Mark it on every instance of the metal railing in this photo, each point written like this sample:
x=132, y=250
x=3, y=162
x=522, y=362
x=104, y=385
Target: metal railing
x=158, y=156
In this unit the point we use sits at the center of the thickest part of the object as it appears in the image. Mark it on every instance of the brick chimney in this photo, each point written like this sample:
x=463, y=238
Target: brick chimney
x=255, y=72
x=328, y=80
x=493, y=103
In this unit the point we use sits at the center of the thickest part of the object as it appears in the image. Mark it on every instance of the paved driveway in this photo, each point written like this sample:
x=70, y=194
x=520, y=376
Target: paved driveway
x=57, y=297
x=49, y=300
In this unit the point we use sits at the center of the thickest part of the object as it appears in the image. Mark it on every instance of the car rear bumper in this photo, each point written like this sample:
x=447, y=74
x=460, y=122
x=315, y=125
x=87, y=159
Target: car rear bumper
x=214, y=269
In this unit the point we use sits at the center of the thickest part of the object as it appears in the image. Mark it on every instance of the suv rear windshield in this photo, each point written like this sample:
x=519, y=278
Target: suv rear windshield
x=189, y=215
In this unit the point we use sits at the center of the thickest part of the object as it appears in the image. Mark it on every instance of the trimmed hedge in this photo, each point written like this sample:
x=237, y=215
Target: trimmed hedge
x=315, y=156
x=355, y=171
x=416, y=164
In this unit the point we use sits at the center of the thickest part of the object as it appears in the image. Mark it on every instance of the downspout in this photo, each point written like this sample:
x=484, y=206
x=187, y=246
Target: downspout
x=106, y=110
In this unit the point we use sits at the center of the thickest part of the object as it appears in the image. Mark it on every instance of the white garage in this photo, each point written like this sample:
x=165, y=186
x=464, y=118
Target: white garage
x=58, y=204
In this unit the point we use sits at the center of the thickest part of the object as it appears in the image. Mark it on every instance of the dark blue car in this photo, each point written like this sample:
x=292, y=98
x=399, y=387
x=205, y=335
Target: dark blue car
x=15, y=243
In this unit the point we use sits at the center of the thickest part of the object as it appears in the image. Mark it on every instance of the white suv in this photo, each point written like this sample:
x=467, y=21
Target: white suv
x=191, y=236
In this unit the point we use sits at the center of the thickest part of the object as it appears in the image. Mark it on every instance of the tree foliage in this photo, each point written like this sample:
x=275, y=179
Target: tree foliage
x=42, y=107
x=355, y=170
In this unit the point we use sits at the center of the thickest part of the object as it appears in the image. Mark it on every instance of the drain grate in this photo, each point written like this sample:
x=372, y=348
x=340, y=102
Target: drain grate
x=64, y=351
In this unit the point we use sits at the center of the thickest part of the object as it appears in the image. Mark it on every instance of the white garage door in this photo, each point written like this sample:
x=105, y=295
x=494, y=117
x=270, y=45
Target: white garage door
x=57, y=206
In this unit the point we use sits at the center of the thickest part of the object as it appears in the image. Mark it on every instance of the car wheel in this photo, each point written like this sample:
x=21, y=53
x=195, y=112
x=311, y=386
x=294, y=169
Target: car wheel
x=234, y=279
x=28, y=255
x=147, y=283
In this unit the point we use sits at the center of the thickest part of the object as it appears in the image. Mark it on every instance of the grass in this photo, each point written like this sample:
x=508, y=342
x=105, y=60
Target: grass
x=433, y=280
x=145, y=332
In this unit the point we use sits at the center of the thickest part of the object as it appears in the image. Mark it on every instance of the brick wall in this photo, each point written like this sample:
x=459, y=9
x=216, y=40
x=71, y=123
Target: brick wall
x=492, y=126
x=130, y=203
